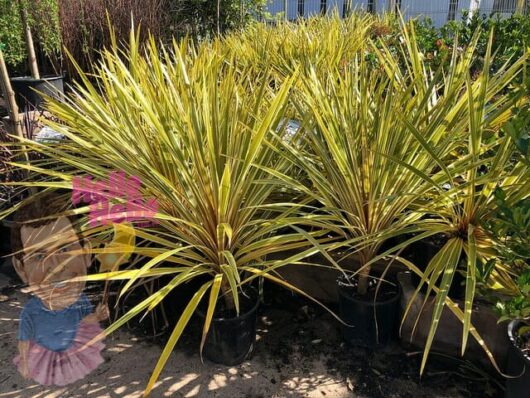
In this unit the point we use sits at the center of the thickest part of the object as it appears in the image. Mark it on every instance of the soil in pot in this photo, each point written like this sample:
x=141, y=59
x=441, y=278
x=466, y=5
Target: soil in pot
x=372, y=317
x=518, y=360
x=28, y=91
x=231, y=338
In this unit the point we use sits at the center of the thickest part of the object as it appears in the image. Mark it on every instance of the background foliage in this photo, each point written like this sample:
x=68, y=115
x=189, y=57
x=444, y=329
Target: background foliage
x=85, y=29
x=511, y=38
x=44, y=22
x=11, y=33
x=82, y=26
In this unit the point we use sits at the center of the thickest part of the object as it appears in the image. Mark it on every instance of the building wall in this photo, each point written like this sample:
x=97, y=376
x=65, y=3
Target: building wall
x=437, y=10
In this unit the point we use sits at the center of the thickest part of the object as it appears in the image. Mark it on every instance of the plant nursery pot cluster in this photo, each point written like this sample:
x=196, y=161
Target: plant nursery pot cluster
x=371, y=318
x=231, y=338
x=518, y=362
x=29, y=91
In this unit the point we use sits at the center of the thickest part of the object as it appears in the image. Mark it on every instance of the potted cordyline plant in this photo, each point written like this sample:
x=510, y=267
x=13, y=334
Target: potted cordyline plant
x=348, y=148
x=196, y=132
x=397, y=150
x=481, y=161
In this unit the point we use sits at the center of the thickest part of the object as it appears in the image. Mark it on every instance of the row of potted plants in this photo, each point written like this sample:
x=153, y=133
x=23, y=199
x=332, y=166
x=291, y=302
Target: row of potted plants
x=387, y=151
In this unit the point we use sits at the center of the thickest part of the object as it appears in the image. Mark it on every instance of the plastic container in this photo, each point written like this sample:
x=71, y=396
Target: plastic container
x=517, y=363
x=371, y=323
x=231, y=340
x=5, y=241
x=28, y=90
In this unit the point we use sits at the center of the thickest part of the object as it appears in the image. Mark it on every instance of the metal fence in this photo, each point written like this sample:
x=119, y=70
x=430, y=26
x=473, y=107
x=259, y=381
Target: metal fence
x=439, y=11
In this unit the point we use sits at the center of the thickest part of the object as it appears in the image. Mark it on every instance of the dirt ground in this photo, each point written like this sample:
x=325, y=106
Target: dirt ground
x=299, y=353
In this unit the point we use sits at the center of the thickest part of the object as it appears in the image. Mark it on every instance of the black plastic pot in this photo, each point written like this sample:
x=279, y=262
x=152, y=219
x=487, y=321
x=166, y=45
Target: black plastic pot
x=517, y=363
x=5, y=240
x=371, y=323
x=28, y=91
x=231, y=339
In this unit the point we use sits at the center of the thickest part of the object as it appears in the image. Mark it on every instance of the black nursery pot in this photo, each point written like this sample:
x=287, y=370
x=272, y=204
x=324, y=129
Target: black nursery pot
x=231, y=338
x=28, y=91
x=5, y=237
x=517, y=363
x=371, y=323
x=5, y=241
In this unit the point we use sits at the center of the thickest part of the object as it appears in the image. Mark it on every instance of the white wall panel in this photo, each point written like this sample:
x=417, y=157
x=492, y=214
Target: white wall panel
x=437, y=10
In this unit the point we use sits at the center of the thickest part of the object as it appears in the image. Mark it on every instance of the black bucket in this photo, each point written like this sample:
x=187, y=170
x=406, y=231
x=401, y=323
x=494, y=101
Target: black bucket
x=371, y=323
x=28, y=90
x=517, y=363
x=230, y=339
x=5, y=240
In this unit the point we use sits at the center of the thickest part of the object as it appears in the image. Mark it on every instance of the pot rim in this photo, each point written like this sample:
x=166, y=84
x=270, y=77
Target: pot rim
x=240, y=316
x=392, y=299
x=512, y=328
x=42, y=78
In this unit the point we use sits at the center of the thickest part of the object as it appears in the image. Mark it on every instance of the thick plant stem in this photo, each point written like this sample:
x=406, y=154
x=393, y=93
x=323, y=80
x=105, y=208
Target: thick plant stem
x=241, y=13
x=32, y=58
x=218, y=17
x=12, y=109
x=228, y=295
x=521, y=6
x=348, y=8
x=9, y=95
x=364, y=277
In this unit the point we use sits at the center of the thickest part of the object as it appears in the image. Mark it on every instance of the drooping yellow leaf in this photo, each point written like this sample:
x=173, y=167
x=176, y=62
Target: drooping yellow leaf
x=119, y=250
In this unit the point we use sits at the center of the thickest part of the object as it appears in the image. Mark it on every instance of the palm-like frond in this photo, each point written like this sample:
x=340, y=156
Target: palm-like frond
x=403, y=150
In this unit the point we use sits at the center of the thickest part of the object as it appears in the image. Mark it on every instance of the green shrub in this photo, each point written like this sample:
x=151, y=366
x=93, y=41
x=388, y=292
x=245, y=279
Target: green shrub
x=511, y=38
x=518, y=307
x=510, y=228
x=11, y=33
x=43, y=18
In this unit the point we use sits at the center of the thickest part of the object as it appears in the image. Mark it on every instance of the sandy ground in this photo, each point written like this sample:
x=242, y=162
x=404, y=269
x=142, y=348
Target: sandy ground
x=129, y=361
x=298, y=354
